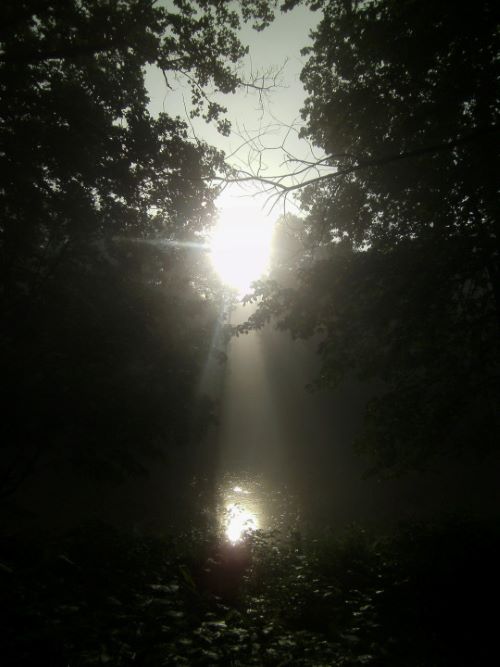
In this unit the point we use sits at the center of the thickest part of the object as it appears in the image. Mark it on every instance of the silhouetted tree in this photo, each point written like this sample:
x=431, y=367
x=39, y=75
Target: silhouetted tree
x=103, y=332
x=400, y=265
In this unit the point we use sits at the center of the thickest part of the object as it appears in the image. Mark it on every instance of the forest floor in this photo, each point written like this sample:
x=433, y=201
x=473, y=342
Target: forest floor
x=423, y=596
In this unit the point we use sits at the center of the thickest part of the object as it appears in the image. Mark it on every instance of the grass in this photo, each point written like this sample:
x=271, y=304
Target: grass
x=421, y=597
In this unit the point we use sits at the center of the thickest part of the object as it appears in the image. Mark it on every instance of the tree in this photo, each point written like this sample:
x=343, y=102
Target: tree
x=401, y=261
x=102, y=334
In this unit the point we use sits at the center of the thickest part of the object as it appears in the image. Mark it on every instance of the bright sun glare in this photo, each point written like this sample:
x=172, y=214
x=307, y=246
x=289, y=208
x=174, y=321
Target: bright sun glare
x=239, y=521
x=240, y=247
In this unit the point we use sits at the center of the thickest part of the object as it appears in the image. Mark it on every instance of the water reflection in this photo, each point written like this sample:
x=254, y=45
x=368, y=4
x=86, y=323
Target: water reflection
x=239, y=522
x=241, y=512
x=248, y=503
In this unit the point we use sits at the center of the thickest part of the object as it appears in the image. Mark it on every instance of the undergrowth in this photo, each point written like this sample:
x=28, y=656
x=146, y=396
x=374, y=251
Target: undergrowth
x=421, y=597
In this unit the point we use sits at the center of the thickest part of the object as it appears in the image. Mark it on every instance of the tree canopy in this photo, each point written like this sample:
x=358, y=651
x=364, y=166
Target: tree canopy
x=400, y=262
x=105, y=329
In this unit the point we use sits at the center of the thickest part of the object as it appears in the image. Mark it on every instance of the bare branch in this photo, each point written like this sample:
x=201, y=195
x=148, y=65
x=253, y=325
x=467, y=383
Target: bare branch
x=276, y=181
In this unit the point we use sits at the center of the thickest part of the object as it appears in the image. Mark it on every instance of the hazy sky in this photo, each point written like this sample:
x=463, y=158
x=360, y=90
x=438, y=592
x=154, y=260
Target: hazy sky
x=276, y=47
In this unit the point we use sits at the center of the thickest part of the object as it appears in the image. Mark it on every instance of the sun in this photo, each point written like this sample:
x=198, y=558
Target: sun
x=240, y=247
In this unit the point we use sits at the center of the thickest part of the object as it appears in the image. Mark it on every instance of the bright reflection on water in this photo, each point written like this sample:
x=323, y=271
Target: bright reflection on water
x=239, y=521
x=247, y=504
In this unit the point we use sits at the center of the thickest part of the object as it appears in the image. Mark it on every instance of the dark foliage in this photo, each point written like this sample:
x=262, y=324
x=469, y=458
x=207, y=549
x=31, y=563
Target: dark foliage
x=399, y=266
x=106, y=319
x=417, y=598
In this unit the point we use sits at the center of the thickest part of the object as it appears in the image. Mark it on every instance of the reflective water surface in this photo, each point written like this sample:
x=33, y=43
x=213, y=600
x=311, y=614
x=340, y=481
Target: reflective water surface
x=247, y=503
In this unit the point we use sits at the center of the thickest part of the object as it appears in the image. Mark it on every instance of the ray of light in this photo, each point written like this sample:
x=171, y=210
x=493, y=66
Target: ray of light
x=164, y=242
